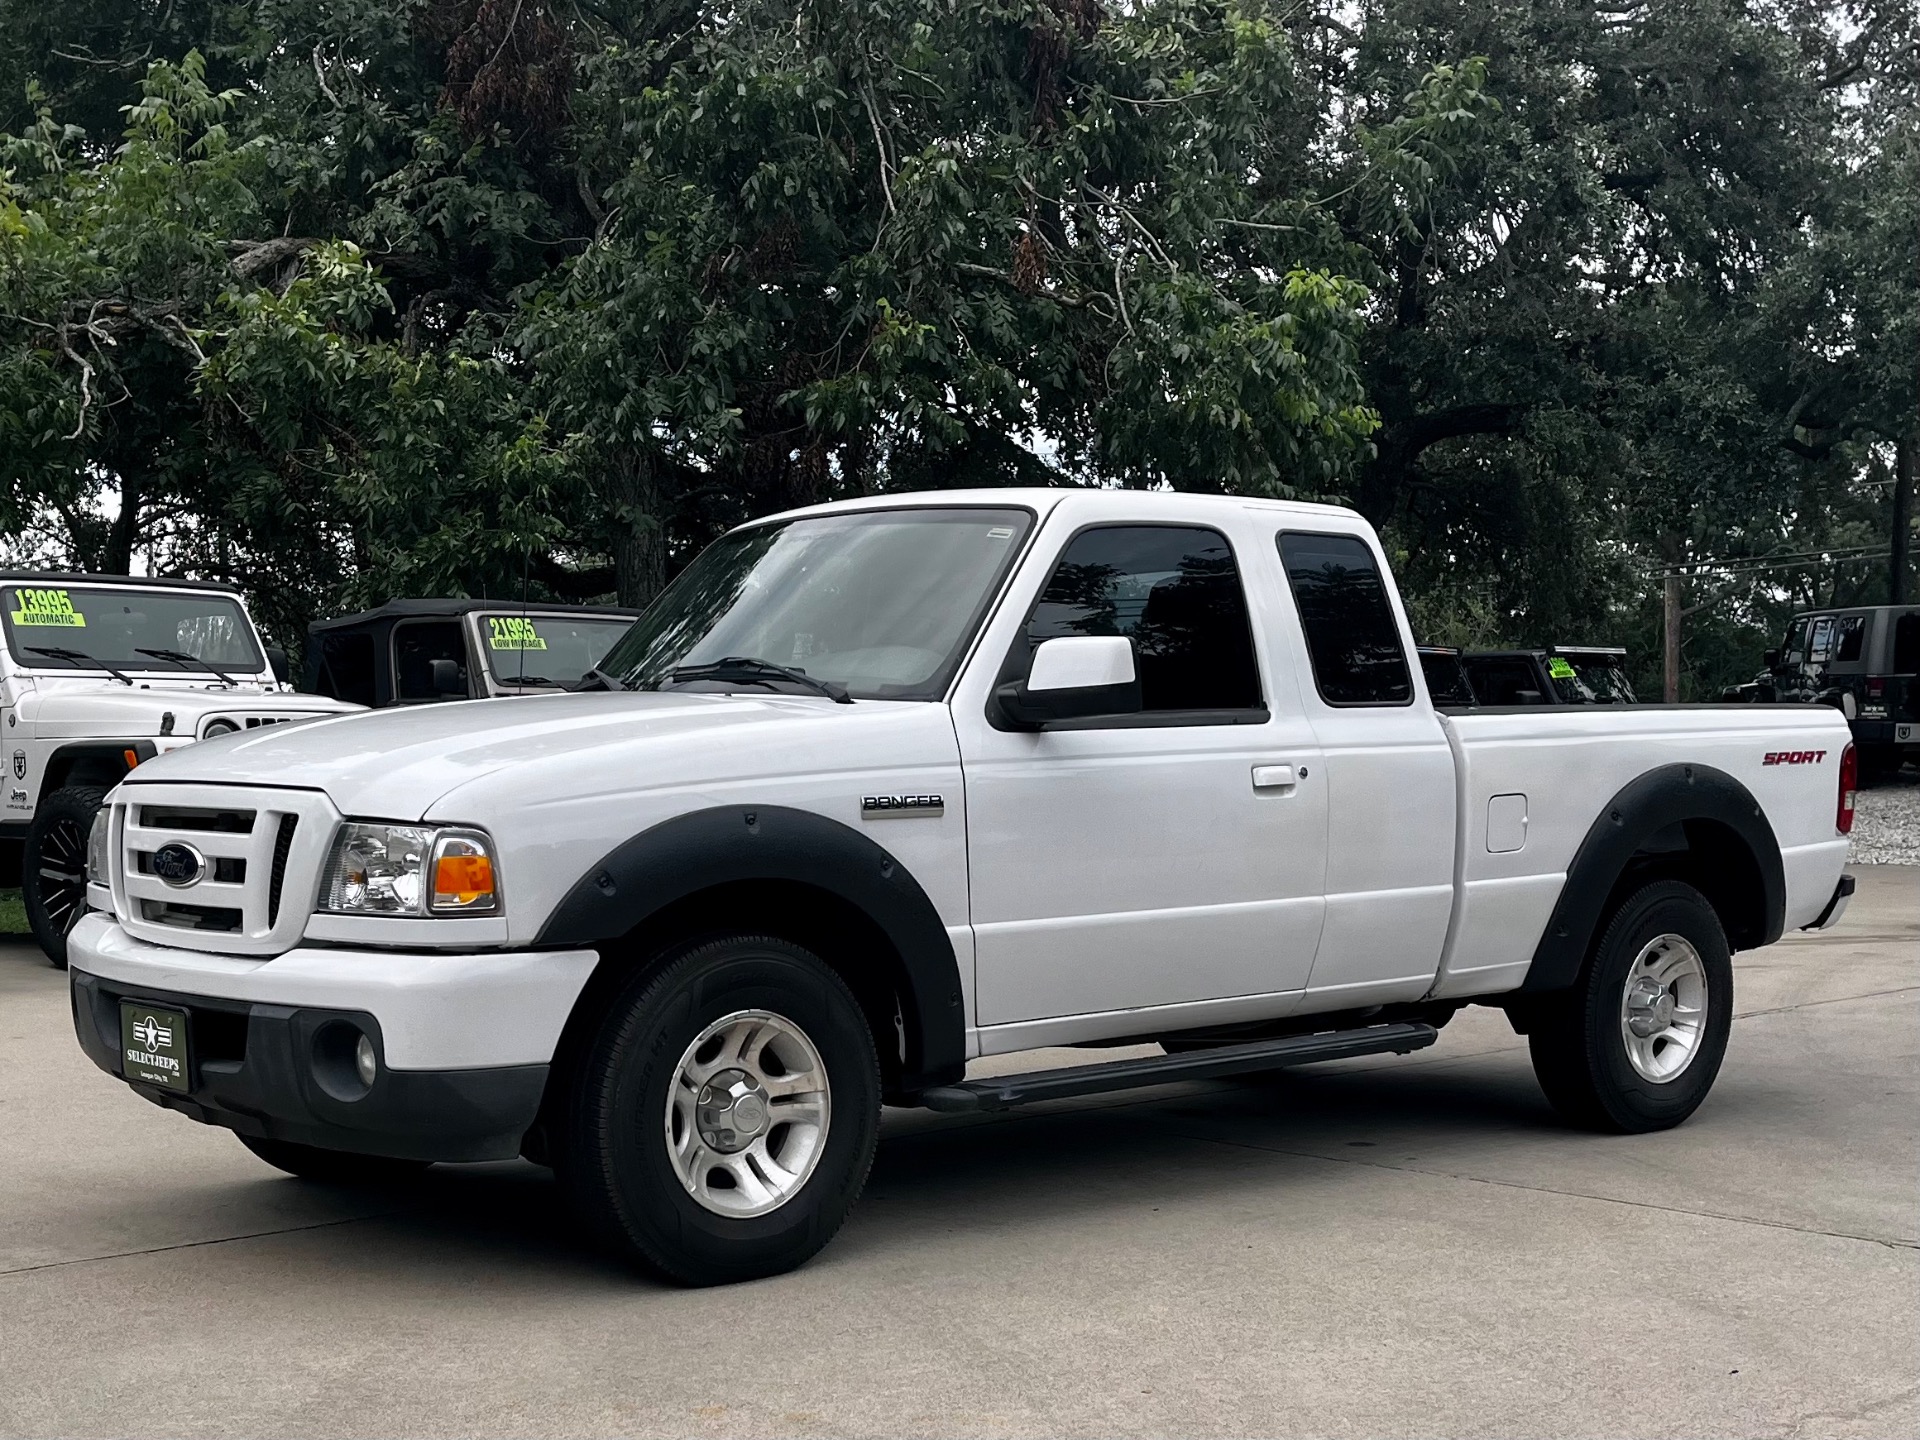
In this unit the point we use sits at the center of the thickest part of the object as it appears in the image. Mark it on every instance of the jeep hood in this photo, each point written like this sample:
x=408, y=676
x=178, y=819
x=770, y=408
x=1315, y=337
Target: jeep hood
x=394, y=764
x=70, y=712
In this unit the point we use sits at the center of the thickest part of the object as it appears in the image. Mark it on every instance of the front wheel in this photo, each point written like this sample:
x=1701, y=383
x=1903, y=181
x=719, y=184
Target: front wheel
x=53, y=868
x=723, y=1120
x=1635, y=1046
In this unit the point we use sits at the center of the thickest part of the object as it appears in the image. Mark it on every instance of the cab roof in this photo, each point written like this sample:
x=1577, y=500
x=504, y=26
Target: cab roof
x=1042, y=500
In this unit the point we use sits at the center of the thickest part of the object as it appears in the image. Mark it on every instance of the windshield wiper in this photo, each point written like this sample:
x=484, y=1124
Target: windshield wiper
x=525, y=680
x=597, y=679
x=181, y=657
x=77, y=657
x=746, y=667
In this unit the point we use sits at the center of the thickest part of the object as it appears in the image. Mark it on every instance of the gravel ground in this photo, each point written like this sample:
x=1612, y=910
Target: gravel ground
x=1886, y=822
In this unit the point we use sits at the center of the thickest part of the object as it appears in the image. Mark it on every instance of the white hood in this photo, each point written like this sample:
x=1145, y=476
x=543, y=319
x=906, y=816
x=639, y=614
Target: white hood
x=394, y=764
x=87, y=708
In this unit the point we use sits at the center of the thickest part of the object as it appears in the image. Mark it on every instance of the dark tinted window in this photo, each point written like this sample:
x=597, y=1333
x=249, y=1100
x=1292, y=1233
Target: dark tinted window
x=1175, y=591
x=1505, y=680
x=1906, y=644
x=346, y=668
x=1853, y=635
x=1446, y=678
x=1357, y=659
x=416, y=645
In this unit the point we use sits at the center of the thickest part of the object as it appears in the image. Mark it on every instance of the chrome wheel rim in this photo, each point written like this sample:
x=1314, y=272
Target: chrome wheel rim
x=1663, y=1008
x=747, y=1113
x=63, y=875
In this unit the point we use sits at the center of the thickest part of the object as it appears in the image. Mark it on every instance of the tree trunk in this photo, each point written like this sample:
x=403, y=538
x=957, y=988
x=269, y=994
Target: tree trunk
x=1902, y=514
x=117, y=558
x=640, y=544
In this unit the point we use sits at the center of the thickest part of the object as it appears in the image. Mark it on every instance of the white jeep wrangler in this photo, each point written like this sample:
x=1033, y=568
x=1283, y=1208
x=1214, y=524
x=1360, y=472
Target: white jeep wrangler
x=98, y=673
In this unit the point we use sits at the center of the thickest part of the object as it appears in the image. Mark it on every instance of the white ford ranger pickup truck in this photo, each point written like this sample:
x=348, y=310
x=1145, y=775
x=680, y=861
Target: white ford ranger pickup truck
x=880, y=787
x=97, y=673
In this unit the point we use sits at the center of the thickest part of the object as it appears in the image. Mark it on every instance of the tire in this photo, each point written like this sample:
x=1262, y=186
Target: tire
x=333, y=1167
x=1601, y=1063
x=650, y=1156
x=53, y=869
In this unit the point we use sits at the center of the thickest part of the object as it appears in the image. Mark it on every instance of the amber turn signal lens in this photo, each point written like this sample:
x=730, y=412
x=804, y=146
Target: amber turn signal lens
x=462, y=878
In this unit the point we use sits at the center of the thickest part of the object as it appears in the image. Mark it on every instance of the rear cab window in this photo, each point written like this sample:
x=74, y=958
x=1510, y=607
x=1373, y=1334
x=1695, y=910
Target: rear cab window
x=1353, y=639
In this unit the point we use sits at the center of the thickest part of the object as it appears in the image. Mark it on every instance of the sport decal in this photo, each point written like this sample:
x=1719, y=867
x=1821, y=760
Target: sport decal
x=1794, y=757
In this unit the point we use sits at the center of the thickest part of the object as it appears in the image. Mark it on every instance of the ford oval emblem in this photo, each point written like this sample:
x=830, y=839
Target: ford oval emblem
x=179, y=865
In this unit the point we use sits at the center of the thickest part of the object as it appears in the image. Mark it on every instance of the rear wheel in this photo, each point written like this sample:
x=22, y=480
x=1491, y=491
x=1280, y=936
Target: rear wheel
x=1635, y=1046
x=332, y=1167
x=723, y=1120
x=53, y=870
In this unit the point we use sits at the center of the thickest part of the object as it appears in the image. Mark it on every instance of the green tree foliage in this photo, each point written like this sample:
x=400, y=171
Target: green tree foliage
x=343, y=299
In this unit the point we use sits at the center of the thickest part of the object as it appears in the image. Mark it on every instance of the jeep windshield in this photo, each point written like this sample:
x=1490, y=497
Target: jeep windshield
x=881, y=602
x=535, y=649
x=118, y=627
x=1591, y=677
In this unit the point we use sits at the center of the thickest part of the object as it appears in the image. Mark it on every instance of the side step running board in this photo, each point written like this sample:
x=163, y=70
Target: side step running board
x=1002, y=1092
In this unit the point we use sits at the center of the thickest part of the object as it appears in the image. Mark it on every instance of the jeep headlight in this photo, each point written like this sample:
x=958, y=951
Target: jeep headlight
x=409, y=870
x=99, y=845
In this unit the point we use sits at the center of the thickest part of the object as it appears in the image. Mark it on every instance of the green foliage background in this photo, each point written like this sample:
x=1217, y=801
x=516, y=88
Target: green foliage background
x=341, y=299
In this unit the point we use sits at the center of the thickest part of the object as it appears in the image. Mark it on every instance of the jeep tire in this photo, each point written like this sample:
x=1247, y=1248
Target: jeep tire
x=53, y=866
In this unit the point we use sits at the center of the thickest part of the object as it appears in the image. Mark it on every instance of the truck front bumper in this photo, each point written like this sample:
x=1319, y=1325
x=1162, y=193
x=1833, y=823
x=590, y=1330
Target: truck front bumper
x=462, y=1042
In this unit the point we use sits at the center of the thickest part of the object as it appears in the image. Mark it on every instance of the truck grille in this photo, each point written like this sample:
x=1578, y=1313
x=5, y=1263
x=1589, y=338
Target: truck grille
x=237, y=866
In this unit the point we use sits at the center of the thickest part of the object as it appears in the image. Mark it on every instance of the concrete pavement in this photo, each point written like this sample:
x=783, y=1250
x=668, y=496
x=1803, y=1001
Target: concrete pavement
x=1389, y=1246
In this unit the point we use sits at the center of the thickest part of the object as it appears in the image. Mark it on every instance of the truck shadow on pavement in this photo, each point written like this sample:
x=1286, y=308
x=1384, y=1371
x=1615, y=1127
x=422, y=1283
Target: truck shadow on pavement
x=1074, y=1163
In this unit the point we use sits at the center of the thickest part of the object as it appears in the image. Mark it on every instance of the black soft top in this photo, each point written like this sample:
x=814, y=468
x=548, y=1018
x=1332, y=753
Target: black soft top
x=463, y=605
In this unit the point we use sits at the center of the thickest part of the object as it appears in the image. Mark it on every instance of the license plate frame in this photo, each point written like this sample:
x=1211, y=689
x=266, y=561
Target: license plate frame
x=155, y=1047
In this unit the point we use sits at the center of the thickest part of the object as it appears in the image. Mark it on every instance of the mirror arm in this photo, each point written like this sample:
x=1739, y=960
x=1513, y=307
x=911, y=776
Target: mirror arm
x=1014, y=707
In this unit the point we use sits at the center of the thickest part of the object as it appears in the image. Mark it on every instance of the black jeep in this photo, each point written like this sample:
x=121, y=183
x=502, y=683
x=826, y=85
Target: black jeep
x=412, y=652
x=1863, y=661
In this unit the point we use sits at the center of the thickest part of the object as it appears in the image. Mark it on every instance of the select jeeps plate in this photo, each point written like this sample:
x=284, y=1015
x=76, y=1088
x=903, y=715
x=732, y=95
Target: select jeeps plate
x=153, y=1045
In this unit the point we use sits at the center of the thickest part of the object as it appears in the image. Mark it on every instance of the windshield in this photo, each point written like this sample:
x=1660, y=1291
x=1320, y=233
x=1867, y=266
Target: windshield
x=547, y=649
x=880, y=601
x=109, y=626
x=1591, y=679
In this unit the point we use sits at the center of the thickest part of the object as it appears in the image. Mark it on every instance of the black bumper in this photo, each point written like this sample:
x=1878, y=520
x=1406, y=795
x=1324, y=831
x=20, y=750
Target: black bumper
x=260, y=1070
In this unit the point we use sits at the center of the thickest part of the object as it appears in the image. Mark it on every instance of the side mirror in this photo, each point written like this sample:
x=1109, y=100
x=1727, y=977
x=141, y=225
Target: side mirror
x=1528, y=697
x=282, y=667
x=1073, y=677
x=1771, y=659
x=447, y=679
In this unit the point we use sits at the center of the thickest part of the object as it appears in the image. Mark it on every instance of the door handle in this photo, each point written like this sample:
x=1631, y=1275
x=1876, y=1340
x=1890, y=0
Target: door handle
x=1273, y=777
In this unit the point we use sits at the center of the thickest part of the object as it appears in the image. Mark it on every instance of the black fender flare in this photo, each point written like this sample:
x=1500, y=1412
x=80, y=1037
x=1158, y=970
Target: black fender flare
x=731, y=844
x=1665, y=797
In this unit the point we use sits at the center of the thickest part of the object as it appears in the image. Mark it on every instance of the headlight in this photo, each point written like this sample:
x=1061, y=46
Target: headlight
x=409, y=870
x=98, y=845
x=218, y=727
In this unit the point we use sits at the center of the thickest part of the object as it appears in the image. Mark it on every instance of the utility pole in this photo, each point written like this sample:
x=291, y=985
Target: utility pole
x=1670, y=594
x=1902, y=514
